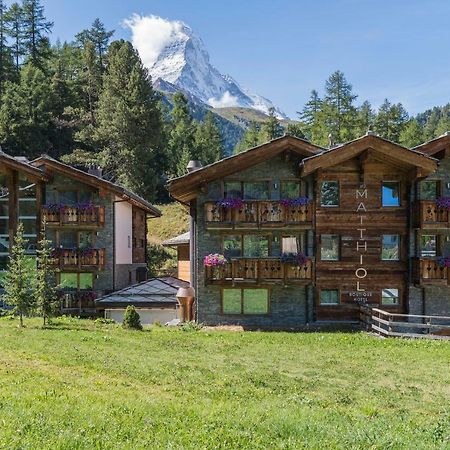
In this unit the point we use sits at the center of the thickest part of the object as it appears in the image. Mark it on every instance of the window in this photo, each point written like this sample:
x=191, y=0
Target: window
x=390, y=250
x=329, y=297
x=429, y=190
x=232, y=246
x=256, y=246
x=290, y=189
x=245, y=301
x=289, y=244
x=428, y=245
x=329, y=193
x=68, y=239
x=390, y=193
x=68, y=197
x=389, y=297
x=232, y=189
x=76, y=281
x=329, y=247
x=258, y=190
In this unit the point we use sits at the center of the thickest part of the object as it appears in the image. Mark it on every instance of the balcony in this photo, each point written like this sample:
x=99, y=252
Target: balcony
x=427, y=271
x=259, y=271
x=74, y=216
x=80, y=259
x=259, y=214
x=429, y=215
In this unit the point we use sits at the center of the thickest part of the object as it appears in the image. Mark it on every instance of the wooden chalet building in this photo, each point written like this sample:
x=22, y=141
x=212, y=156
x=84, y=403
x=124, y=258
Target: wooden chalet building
x=309, y=233
x=98, y=228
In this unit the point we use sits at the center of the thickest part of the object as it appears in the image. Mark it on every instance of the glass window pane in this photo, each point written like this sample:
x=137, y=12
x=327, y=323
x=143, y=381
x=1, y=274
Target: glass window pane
x=85, y=197
x=29, y=226
x=256, y=191
x=256, y=246
x=390, y=250
x=428, y=245
x=4, y=208
x=86, y=280
x=231, y=301
x=31, y=244
x=27, y=207
x=329, y=297
x=329, y=193
x=69, y=280
x=27, y=189
x=256, y=301
x=391, y=193
x=329, y=247
x=85, y=239
x=289, y=244
x=389, y=297
x=446, y=188
x=4, y=244
x=446, y=246
x=232, y=246
x=232, y=189
x=68, y=197
x=428, y=190
x=4, y=226
x=4, y=262
x=68, y=239
x=290, y=189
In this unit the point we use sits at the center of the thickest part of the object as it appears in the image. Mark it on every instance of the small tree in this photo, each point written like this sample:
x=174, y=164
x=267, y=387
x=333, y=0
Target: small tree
x=18, y=280
x=131, y=319
x=45, y=289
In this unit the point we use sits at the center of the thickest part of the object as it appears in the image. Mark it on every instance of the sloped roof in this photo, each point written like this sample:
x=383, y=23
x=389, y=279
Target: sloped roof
x=96, y=181
x=436, y=145
x=390, y=151
x=178, y=240
x=185, y=188
x=22, y=164
x=153, y=292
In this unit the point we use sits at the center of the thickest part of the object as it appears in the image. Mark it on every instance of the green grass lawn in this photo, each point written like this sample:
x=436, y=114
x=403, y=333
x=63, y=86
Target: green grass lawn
x=81, y=385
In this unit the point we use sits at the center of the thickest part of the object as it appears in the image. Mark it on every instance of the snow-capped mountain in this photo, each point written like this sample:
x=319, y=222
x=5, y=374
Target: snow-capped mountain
x=173, y=53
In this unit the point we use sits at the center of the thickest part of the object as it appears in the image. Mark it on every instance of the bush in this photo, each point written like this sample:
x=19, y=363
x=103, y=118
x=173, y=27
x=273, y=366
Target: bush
x=103, y=321
x=191, y=326
x=131, y=319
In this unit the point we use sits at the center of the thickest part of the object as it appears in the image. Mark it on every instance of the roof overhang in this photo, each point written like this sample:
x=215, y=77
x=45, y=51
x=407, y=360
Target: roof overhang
x=187, y=187
x=12, y=163
x=389, y=151
x=439, y=145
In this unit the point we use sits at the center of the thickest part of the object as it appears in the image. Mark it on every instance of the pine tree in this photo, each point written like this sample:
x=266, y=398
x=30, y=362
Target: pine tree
x=390, y=120
x=35, y=30
x=412, y=134
x=18, y=281
x=313, y=106
x=129, y=123
x=364, y=119
x=26, y=113
x=45, y=289
x=295, y=129
x=181, y=137
x=15, y=24
x=98, y=37
x=6, y=64
x=91, y=80
x=208, y=141
x=442, y=126
x=338, y=107
x=271, y=128
x=252, y=138
x=131, y=319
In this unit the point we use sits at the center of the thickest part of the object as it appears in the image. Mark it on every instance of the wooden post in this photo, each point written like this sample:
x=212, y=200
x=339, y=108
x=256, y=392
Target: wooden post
x=13, y=203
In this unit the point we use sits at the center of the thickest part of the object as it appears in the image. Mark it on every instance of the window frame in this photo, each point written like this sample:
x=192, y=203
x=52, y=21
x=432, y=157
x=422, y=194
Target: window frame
x=301, y=186
x=319, y=297
x=339, y=248
x=439, y=189
x=339, y=194
x=262, y=180
x=78, y=274
x=399, y=194
x=399, y=297
x=399, y=247
x=242, y=289
x=437, y=245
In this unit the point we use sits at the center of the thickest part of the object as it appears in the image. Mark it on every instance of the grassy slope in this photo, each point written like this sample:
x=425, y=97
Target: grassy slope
x=174, y=221
x=102, y=387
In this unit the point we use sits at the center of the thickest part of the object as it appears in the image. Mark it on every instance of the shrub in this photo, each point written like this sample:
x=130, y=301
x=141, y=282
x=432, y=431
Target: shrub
x=103, y=321
x=191, y=326
x=131, y=319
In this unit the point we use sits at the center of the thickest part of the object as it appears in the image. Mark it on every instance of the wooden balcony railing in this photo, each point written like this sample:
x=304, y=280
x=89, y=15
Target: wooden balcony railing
x=258, y=213
x=431, y=215
x=259, y=270
x=80, y=259
x=428, y=271
x=72, y=215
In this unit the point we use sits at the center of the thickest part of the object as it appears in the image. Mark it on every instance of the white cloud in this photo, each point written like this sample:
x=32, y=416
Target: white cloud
x=226, y=101
x=150, y=34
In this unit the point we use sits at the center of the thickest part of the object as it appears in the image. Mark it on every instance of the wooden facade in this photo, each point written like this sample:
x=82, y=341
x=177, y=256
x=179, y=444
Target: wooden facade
x=376, y=224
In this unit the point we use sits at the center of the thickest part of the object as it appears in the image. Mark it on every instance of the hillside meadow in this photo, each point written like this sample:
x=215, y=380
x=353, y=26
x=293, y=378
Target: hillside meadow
x=78, y=384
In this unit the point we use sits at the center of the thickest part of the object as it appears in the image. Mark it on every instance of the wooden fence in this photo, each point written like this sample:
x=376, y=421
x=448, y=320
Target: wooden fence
x=390, y=324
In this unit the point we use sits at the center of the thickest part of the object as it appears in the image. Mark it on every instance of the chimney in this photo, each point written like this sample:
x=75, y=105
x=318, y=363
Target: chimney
x=96, y=171
x=193, y=165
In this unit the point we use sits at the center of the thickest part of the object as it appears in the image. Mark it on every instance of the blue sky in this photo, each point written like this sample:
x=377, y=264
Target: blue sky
x=399, y=49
